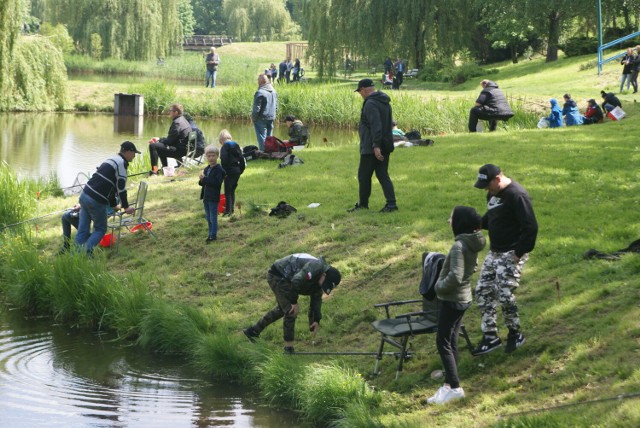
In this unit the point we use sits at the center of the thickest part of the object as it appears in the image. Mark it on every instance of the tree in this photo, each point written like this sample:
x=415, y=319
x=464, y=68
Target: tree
x=507, y=28
x=209, y=17
x=256, y=18
x=9, y=30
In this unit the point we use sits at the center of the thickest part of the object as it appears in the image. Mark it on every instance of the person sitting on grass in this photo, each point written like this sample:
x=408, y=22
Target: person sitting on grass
x=211, y=181
x=298, y=133
x=610, y=101
x=398, y=134
x=555, y=118
x=570, y=111
x=453, y=290
x=593, y=114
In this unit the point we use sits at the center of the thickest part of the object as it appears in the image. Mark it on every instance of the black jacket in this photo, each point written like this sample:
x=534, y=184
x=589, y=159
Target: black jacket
x=211, y=183
x=375, y=124
x=178, y=136
x=493, y=100
x=231, y=158
x=109, y=181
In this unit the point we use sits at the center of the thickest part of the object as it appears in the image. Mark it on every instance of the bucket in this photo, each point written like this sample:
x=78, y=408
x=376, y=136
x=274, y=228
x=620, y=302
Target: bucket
x=169, y=171
x=108, y=240
x=222, y=203
x=143, y=226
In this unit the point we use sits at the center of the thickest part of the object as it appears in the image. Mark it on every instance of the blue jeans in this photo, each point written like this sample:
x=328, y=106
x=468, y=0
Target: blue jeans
x=211, y=214
x=211, y=76
x=91, y=210
x=627, y=78
x=264, y=128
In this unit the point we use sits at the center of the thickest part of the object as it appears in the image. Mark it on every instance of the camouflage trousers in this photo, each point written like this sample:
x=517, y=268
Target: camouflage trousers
x=499, y=278
x=282, y=289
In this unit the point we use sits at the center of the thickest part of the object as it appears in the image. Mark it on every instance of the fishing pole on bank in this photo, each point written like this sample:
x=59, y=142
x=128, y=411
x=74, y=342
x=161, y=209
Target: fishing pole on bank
x=32, y=219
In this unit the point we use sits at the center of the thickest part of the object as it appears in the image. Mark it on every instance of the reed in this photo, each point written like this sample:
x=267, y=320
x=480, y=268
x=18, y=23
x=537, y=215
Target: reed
x=18, y=198
x=279, y=379
x=222, y=355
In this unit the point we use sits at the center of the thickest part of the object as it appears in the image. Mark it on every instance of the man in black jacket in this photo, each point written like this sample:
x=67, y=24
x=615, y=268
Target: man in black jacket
x=376, y=145
x=513, y=230
x=174, y=145
x=491, y=105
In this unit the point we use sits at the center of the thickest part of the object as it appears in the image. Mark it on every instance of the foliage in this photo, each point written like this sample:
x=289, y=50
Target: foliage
x=95, y=46
x=18, y=197
x=9, y=30
x=157, y=96
x=59, y=36
x=256, y=19
x=576, y=46
x=185, y=14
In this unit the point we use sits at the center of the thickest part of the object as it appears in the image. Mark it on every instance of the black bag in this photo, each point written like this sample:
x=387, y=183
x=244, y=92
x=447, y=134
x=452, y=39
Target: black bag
x=250, y=152
x=431, y=267
x=414, y=134
x=282, y=210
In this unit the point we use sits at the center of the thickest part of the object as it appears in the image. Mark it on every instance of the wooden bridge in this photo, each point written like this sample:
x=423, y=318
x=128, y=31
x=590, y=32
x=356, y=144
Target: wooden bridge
x=196, y=43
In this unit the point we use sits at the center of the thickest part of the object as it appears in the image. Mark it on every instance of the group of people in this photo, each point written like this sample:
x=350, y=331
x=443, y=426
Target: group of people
x=393, y=75
x=570, y=115
x=630, y=68
x=287, y=71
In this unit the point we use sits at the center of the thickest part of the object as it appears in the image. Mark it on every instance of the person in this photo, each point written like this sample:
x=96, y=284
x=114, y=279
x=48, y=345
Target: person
x=570, y=111
x=99, y=194
x=298, y=133
x=555, y=118
x=274, y=72
x=593, y=114
x=263, y=112
x=211, y=181
x=388, y=65
x=296, y=70
x=233, y=163
x=387, y=78
x=199, y=136
x=174, y=145
x=287, y=71
x=627, y=62
x=282, y=69
x=71, y=217
x=398, y=134
x=212, y=60
x=635, y=68
x=376, y=145
x=398, y=78
x=453, y=290
x=291, y=276
x=491, y=105
x=513, y=230
x=610, y=101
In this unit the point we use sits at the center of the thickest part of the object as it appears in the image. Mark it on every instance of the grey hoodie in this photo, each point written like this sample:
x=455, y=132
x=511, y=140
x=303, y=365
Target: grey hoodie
x=454, y=284
x=265, y=103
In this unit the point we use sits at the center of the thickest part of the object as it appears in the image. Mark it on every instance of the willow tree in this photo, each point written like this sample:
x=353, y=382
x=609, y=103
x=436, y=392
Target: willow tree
x=9, y=30
x=256, y=18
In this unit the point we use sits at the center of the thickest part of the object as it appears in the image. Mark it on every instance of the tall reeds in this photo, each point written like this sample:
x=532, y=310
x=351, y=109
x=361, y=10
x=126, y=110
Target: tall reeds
x=18, y=197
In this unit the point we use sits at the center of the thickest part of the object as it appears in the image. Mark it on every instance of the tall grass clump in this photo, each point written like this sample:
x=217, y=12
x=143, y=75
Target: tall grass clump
x=158, y=96
x=222, y=355
x=280, y=377
x=18, y=197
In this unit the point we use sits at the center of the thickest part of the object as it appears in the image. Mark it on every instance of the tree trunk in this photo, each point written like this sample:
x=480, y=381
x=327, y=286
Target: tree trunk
x=514, y=54
x=554, y=36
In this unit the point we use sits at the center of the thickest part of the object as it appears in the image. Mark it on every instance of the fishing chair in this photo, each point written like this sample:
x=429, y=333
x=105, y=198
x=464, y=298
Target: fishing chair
x=193, y=156
x=399, y=330
x=132, y=222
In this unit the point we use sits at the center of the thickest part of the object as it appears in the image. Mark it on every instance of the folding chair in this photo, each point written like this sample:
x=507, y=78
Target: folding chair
x=398, y=331
x=192, y=158
x=130, y=221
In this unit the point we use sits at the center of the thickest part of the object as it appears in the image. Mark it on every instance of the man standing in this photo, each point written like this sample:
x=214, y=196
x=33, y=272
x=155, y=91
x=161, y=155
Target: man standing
x=491, y=105
x=289, y=277
x=376, y=145
x=100, y=193
x=212, y=60
x=282, y=69
x=174, y=145
x=399, y=76
x=513, y=230
x=263, y=112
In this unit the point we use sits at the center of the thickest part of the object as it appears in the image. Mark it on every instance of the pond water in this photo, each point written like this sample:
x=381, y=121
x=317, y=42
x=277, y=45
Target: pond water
x=53, y=376
x=65, y=144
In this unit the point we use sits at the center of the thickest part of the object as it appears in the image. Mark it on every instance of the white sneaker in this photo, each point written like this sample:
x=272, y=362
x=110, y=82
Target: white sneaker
x=439, y=393
x=450, y=394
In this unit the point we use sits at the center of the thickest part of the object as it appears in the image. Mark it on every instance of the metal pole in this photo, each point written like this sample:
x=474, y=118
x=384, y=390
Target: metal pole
x=599, y=36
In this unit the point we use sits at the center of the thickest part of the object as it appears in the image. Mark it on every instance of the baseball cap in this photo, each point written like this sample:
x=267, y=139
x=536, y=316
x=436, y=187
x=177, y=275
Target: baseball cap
x=128, y=146
x=331, y=280
x=364, y=83
x=486, y=173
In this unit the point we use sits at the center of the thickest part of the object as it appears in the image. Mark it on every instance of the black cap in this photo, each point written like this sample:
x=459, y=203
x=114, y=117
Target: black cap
x=331, y=280
x=365, y=83
x=128, y=146
x=289, y=118
x=486, y=174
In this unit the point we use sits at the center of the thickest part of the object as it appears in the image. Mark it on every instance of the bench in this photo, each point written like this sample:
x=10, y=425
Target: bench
x=411, y=73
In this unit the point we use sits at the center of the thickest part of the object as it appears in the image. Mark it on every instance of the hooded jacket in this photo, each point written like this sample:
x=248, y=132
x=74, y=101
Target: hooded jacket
x=265, y=103
x=454, y=283
x=178, y=136
x=375, y=124
x=298, y=133
x=231, y=158
x=493, y=100
x=571, y=113
x=555, y=118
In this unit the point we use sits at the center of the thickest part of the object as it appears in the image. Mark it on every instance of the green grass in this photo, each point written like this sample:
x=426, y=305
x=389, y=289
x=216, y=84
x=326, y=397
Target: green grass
x=580, y=316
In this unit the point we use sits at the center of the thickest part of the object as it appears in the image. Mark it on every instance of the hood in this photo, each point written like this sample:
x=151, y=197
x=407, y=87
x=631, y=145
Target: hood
x=474, y=241
x=267, y=87
x=465, y=220
x=553, y=102
x=379, y=97
x=491, y=84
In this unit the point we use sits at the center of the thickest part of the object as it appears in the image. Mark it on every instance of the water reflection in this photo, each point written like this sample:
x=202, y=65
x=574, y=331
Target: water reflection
x=50, y=376
x=38, y=144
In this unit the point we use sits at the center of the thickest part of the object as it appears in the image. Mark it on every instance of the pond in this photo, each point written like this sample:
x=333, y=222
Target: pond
x=66, y=144
x=53, y=376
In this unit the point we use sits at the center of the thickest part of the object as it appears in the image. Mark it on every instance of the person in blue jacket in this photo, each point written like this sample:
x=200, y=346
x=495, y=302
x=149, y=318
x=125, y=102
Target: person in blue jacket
x=570, y=112
x=555, y=118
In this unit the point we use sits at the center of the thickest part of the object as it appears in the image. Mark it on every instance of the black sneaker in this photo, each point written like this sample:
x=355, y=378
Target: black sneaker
x=288, y=350
x=488, y=344
x=515, y=339
x=357, y=207
x=251, y=334
x=153, y=173
x=388, y=209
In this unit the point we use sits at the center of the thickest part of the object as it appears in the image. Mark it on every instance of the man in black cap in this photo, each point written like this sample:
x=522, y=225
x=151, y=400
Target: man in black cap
x=289, y=277
x=513, y=230
x=376, y=145
x=109, y=181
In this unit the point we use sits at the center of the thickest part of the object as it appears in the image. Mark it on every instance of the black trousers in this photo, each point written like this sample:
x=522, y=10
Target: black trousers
x=162, y=151
x=368, y=165
x=449, y=322
x=281, y=289
x=479, y=113
x=230, y=184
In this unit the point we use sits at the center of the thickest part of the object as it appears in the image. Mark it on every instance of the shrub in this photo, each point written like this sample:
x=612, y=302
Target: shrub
x=157, y=96
x=580, y=46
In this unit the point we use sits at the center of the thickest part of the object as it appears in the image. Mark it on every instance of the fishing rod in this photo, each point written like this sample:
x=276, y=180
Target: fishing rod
x=397, y=354
x=32, y=219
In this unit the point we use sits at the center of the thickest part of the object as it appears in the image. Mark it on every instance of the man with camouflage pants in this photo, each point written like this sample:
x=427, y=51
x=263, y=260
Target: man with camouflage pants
x=289, y=277
x=513, y=230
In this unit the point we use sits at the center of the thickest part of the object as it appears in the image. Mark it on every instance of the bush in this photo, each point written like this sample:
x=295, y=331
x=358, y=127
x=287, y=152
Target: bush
x=576, y=46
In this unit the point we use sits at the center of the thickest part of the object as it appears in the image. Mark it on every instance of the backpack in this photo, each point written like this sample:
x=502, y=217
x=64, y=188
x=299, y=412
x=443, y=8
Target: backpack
x=290, y=159
x=413, y=135
x=250, y=152
x=282, y=210
x=274, y=144
x=431, y=267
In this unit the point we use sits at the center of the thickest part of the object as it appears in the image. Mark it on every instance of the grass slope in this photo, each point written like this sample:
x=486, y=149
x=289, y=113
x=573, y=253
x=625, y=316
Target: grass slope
x=580, y=316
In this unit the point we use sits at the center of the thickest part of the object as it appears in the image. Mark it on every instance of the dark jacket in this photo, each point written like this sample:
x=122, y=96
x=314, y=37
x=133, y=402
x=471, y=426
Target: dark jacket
x=303, y=272
x=211, y=183
x=109, y=179
x=510, y=220
x=628, y=62
x=493, y=100
x=610, y=98
x=454, y=283
x=594, y=113
x=178, y=136
x=199, y=138
x=298, y=133
x=375, y=124
x=265, y=103
x=231, y=158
